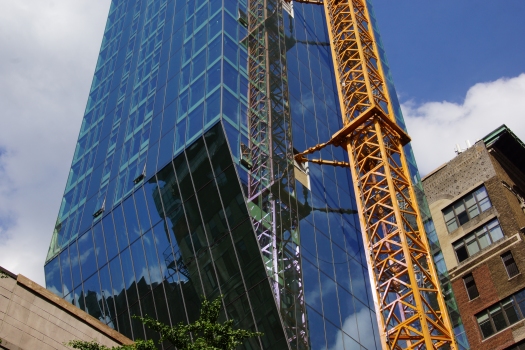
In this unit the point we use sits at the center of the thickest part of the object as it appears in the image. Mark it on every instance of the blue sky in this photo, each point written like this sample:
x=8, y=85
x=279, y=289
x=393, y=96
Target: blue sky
x=459, y=68
x=437, y=50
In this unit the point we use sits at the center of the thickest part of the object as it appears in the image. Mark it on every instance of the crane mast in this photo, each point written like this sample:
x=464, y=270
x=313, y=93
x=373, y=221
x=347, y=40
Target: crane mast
x=410, y=307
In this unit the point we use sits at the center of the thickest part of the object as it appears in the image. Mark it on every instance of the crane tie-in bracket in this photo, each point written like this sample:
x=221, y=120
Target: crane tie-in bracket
x=339, y=138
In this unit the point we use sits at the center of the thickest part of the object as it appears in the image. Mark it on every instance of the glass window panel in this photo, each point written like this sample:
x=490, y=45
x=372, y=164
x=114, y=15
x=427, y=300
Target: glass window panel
x=498, y=318
x=152, y=196
x=496, y=233
x=87, y=255
x=452, y=225
x=330, y=302
x=483, y=238
x=142, y=211
x=168, y=188
x=485, y=204
x=65, y=264
x=120, y=227
x=183, y=176
x=165, y=253
x=511, y=311
x=199, y=164
x=472, y=246
x=100, y=246
x=75, y=265
x=152, y=259
x=93, y=297
x=107, y=297
x=129, y=276
x=316, y=327
x=117, y=282
x=485, y=325
x=218, y=150
x=53, y=280
x=140, y=267
x=132, y=223
x=110, y=237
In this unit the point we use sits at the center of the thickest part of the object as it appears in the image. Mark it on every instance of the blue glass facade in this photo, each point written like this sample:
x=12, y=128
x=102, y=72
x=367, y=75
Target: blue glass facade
x=178, y=189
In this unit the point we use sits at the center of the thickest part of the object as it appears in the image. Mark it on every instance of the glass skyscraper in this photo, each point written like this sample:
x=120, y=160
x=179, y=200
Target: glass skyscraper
x=183, y=183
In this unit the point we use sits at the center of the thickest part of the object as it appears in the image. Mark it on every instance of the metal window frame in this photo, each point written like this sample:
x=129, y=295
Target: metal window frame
x=500, y=303
x=462, y=199
x=475, y=234
x=474, y=285
x=506, y=254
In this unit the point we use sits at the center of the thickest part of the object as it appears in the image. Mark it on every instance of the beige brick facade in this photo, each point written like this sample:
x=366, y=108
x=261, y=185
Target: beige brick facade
x=497, y=168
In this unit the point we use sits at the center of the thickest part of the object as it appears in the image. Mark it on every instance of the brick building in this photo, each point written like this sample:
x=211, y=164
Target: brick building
x=477, y=202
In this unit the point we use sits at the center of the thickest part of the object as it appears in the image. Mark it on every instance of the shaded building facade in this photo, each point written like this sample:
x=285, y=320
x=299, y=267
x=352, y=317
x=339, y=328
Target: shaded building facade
x=183, y=182
x=477, y=202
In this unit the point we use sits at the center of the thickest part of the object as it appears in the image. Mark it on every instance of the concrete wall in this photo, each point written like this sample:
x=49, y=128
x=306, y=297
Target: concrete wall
x=32, y=318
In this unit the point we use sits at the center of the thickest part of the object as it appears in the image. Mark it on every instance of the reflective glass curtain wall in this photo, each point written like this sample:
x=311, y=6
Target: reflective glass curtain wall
x=169, y=198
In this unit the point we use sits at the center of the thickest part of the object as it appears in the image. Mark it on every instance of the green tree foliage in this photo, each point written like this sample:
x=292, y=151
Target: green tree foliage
x=93, y=345
x=204, y=334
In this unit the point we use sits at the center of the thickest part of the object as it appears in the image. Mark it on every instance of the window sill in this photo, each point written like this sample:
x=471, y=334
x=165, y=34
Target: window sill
x=473, y=299
x=513, y=277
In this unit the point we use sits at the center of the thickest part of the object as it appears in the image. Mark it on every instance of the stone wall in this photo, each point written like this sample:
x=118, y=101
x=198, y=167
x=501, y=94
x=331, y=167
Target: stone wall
x=32, y=318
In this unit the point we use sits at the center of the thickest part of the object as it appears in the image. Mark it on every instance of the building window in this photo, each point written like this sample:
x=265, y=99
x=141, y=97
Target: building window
x=510, y=264
x=470, y=285
x=466, y=208
x=479, y=239
x=498, y=317
x=517, y=346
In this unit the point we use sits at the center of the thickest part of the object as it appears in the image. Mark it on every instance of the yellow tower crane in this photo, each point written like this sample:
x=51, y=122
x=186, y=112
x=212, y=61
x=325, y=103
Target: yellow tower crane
x=410, y=307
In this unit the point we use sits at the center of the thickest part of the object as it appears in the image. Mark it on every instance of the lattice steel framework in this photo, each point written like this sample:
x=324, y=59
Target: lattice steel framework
x=271, y=180
x=410, y=307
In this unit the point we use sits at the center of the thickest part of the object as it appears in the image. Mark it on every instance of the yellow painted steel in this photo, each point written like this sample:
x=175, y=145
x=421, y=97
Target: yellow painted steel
x=410, y=307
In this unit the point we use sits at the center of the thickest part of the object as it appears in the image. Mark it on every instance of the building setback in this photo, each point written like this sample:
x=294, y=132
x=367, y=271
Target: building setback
x=183, y=183
x=31, y=317
x=477, y=203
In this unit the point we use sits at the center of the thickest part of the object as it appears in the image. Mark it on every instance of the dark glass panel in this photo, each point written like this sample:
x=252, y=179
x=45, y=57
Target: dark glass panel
x=93, y=297
x=329, y=296
x=232, y=197
x=141, y=269
x=199, y=164
x=53, y=281
x=161, y=305
x=168, y=188
x=132, y=223
x=137, y=326
x=212, y=213
x=109, y=234
x=152, y=194
x=183, y=176
x=129, y=276
x=124, y=325
x=218, y=149
x=117, y=282
x=107, y=296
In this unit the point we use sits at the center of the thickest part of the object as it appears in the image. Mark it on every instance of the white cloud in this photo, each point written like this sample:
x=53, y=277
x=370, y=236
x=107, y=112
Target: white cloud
x=436, y=127
x=49, y=51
